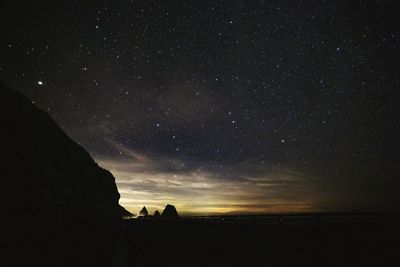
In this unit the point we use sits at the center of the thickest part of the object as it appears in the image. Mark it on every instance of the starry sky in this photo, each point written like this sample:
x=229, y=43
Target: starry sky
x=220, y=106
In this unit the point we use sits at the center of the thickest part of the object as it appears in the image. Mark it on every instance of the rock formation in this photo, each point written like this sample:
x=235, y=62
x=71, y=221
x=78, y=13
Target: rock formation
x=170, y=212
x=54, y=197
x=144, y=212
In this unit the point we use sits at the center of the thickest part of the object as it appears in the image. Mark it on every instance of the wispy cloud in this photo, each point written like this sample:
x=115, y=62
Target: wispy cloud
x=202, y=188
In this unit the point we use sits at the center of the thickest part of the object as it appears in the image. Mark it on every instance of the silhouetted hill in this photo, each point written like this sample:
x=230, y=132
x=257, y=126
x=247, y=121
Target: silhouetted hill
x=50, y=183
x=169, y=212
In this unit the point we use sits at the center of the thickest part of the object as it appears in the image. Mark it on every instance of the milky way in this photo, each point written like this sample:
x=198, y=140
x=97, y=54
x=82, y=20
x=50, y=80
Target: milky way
x=220, y=106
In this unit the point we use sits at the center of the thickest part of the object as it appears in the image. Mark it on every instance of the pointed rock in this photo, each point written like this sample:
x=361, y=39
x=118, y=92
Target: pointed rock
x=170, y=212
x=144, y=212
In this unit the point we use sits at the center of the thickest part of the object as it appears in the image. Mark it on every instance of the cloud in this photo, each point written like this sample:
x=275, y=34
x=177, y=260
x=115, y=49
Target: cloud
x=204, y=188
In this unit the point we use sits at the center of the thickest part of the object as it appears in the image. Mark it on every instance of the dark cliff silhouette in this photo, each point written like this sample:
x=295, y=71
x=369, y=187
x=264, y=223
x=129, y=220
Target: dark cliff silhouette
x=125, y=213
x=169, y=212
x=58, y=204
x=156, y=214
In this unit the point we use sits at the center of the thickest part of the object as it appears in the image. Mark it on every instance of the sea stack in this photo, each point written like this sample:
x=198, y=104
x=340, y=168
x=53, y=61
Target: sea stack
x=144, y=212
x=170, y=212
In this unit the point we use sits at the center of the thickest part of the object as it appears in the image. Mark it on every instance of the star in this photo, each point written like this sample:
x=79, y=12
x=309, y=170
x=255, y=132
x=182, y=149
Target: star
x=222, y=96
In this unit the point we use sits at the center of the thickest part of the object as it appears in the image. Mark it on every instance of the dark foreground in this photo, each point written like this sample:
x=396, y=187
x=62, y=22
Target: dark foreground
x=273, y=241
x=228, y=241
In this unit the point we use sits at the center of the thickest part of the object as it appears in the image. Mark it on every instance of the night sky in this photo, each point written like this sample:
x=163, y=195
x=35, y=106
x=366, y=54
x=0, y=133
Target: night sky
x=220, y=106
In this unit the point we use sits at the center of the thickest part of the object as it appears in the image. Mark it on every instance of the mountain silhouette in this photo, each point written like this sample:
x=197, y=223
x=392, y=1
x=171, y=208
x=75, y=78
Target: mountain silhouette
x=170, y=212
x=54, y=197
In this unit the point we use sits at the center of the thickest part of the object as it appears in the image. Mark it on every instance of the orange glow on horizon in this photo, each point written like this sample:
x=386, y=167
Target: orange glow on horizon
x=199, y=192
